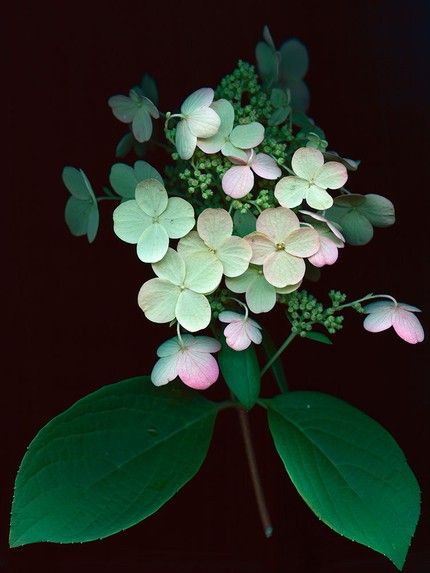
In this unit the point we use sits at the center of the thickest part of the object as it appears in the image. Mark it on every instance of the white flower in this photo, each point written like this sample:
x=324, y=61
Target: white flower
x=238, y=181
x=387, y=313
x=240, y=330
x=137, y=110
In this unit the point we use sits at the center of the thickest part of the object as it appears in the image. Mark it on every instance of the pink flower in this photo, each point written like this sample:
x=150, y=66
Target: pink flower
x=240, y=330
x=238, y=181
x=190, y=358
x=331, y=239
x=383, y=314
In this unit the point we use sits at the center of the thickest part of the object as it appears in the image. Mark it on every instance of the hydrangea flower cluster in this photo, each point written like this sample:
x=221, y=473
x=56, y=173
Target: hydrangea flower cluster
x=253, y=205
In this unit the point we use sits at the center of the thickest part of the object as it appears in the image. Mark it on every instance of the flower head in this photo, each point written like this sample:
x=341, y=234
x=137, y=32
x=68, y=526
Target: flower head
x=240, y=330
x=214, y=239
x=280, y=245
x=190, y=358
x=331, y=239
x=384, y=314
x=231, y=140
x=136, y=109
x=179, y=291
x=151, y=219
x=198, y=119
x=312, y=178
x=238, y=181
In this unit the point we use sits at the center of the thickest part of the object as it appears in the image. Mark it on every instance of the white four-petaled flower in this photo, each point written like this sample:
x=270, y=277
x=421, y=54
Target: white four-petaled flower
x=238, y=181
x=136, y=109
x=381, y=315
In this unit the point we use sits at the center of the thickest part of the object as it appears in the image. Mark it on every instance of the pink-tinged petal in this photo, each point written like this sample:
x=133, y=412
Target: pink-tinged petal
x=326, y=255
x=198, y=370
x=229, y=316
x=282, y=269
x=332, y=175
x=303, y=242
x=168, y=347
x=318, y=198
x=204, y=122
x=165, y=370
x=277, y=223
x=407, y=326
x=214, y=226
x=158, y=299
x=261, y=247
x=238, y=181
x=235, y=254
x=203, y=343
x=266, y=167
x=236, y=335
x=379, y=320
x=185, y=141
x=306, y=162
x=198, y=99
x=290, y=191
x=253, y=331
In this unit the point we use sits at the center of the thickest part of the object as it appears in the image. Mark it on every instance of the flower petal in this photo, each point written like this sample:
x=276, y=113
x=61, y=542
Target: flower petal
x=198, y=370
x=177, y=218
x=168, y=347
x=282, y=269
x=253, y=330
x=247, y=136
x=150, y=107
x=261, y=247
x=277, y=223
x=226, y=114
x=318, y=217
x=203, y=272
x=265, y=166
x=153, y=243
x=290, y=191
x=303, y=242
x=123, y=108
x=200, y=98
x=203, y=122
x=318, y=198
x=326, y=255
x=214, y=226
x=151, y=197
x=234, y=255
x=204, y=343
x=241, y=283
x=260, y=295
x=306, y=162
x=185, y=141
x=211, y=144
x=191, y=244
x=193, y=310
x=409, y=307
x=142, y=125
x=165, y=370
x=380, y=319
x=238, y=181
x=236, y=155
x=129, y=221
x=170, y=268
x=332, y=175
x=379, y=306
x=236, y=335
x=407, y=326
x=157, y=299
x=228, y=316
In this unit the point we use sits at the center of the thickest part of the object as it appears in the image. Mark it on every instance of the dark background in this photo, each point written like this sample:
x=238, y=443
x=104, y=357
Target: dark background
x=71, y=319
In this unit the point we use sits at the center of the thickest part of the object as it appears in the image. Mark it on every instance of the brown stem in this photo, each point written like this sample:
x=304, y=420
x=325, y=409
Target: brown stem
x=255, y=475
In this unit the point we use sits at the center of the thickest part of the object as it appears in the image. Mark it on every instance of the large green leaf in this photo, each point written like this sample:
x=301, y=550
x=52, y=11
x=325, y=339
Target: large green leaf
x=241, y=372
x=348, y=469
x=109, y=461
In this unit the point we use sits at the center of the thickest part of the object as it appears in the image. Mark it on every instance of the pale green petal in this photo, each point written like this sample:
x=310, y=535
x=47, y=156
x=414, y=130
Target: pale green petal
x=226, y=114
x=241, y=283
x=211, y=144
x=143, y=170
x=290, y=191
x=151, y=197
x=77, y=183
x=142, y=125
x=203, y=272
x=229, y=150
x=332, y=175
x=168, y=347
x=277, y=223
x=306, y=162
x=193, y=311
x=191, y=244
x=288, y=288
x=123, y=108
x=318, y=198
x=214, y=226
x=178, y=218
x=157, y=299
x=203, y=122
x=294, y=59
x=170, y=268
x=198, y=99
x=378, y=210
x=266, y=61
x=76, y=215
x=282, y=269
x=93, y=222
x=152, y=244
x=129, y=222
x=260, y=295
x=123, y=180
x=261, y=247
x=164, y=370
x=247, y=136
x=185, y=141
x=150, y=107
x=302, y=242
x=234, y=255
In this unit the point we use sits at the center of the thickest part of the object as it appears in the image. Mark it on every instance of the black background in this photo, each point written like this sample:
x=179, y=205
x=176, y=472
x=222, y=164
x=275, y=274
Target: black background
x=71, y=323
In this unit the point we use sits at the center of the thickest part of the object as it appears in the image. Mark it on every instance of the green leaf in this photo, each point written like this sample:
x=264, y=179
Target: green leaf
x=348, y=469
x=277, y=368
x=319, y=337
x=241, y=372
x=124, y=145
x=244, y=223
x=112, y=459
x=125, y=178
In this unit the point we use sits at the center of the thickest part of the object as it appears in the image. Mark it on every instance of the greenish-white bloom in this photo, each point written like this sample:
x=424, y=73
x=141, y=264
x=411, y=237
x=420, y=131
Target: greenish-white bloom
x=213, y=238
x=179, y=290
x=81, y=213
x=124, y=178
x=259, y=293
x=151, y=219
x=198, y=120
x=137, y=110
x=231, y=141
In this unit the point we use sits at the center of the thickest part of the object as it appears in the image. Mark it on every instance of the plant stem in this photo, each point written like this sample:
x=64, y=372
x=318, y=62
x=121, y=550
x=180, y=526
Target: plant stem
x=108, y=198
x=255, y=475
x=278, y=353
